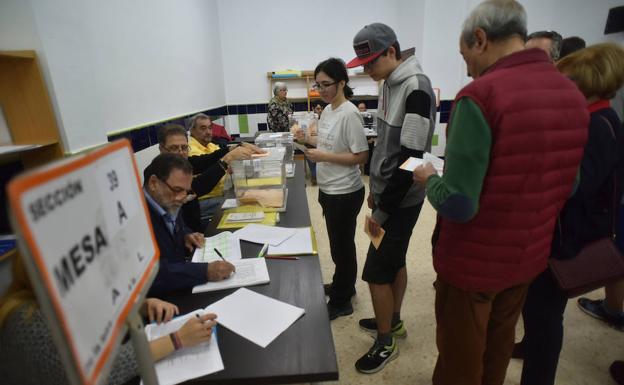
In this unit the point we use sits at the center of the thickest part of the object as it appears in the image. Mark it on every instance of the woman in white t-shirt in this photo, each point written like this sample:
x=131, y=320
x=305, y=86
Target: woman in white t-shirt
x=340, y=147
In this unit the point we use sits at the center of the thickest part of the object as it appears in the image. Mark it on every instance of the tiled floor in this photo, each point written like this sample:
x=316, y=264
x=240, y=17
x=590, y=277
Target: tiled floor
x=589, y=346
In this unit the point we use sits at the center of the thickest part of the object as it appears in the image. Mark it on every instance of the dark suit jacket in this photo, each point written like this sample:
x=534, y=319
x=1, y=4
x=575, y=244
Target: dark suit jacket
x=175, y=272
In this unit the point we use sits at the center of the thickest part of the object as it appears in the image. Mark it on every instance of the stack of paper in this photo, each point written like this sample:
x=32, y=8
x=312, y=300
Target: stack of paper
x=257, y=216
x=256, y=317
x=249, y=272
x=186, y=363
x=227, y=244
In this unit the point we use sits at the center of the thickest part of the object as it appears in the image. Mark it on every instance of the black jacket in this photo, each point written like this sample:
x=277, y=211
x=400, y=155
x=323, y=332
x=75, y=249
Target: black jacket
x=175, y=272
x=589, y=213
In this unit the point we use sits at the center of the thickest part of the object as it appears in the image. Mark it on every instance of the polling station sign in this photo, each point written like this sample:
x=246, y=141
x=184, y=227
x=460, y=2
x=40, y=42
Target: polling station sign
x=86, y=228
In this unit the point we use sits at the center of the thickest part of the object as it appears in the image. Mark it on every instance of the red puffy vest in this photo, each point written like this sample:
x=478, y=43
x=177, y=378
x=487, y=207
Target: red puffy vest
x=539, y=121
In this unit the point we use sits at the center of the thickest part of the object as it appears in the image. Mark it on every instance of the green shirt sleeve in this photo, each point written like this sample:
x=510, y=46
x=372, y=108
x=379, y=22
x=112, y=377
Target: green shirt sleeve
x=455, y=195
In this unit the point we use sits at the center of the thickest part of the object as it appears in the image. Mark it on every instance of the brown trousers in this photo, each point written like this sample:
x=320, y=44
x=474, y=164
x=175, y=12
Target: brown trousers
x=475, y=334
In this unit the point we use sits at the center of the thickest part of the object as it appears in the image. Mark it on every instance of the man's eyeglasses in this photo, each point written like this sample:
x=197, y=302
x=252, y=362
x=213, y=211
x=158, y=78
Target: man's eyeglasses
x=177, y=148
x=190, y=194
x=322, y=86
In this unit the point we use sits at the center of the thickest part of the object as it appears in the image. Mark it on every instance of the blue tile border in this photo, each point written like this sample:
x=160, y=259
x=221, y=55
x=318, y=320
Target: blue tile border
x=143, y=137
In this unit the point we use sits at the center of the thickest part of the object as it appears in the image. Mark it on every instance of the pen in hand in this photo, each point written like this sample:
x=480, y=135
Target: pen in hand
x=218, y=253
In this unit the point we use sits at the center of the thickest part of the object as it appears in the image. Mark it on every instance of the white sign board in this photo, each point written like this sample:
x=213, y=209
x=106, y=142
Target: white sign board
x=86, y=226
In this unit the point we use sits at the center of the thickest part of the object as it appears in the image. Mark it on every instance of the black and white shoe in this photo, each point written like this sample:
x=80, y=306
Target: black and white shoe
x=377, y=357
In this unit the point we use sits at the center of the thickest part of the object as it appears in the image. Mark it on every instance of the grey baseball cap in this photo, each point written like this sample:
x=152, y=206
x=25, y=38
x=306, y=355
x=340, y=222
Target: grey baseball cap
x=370, y=42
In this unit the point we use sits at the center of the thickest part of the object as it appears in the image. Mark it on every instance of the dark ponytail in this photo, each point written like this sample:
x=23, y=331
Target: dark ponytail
x=337, y=70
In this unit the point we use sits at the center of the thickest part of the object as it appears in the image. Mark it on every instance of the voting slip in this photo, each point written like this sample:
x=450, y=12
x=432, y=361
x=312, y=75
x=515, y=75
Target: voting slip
x=254, y=216
x=249, y=272
x=375, y=240
x=256, y=317
x=411, y=163
x=227, y=244
x=300, y=243
x=189, y=362
x=229, y=204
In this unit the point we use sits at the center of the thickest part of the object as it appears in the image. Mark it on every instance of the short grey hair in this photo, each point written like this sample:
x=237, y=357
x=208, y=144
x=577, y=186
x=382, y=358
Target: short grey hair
x=555, y=41
x=500, y=19
x=190, y=123
x=279, y=86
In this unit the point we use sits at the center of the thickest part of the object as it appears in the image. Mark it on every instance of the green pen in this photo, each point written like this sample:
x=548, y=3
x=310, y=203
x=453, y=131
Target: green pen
x=263, y=250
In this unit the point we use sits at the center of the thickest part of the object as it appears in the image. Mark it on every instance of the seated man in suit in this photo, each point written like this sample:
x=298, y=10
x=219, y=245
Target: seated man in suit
x=166, y=185
x=208, y=169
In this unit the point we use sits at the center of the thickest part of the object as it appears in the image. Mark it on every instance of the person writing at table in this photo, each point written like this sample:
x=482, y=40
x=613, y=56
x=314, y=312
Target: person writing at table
x=341, y=147
x=167, y=182
x=28, y=354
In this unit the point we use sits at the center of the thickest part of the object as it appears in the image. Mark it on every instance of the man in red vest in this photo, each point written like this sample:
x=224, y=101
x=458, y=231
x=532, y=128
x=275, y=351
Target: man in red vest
x=515, y=142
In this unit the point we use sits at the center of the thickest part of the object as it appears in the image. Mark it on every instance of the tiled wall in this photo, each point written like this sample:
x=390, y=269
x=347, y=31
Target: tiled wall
x=244, y=120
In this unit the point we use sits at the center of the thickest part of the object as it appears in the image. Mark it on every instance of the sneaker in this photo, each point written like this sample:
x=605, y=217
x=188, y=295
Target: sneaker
x=337, y=311
x=377, y=357
x=617, y=371
x=596, y=309
x=369, y=325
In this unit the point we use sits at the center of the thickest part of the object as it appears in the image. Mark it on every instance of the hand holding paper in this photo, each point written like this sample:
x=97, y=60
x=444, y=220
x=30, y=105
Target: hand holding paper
x=374, y=231
x=423, y=172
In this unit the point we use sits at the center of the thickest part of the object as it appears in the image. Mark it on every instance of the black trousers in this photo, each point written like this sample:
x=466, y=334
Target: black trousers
x=543, y=328
x=341, y=213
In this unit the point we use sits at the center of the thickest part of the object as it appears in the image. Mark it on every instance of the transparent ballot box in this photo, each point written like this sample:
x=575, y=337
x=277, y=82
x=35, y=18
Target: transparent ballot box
x=279, y=140
x=262, y=180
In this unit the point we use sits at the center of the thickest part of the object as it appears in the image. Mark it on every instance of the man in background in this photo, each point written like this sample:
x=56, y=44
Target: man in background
x=549, y=41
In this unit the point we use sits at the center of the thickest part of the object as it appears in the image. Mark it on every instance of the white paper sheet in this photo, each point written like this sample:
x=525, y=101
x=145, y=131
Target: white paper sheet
x=249, y=272
x=254, y=316
x=227, y=244
x=229, y=204
x=411, y=163
x=299, y=243
x=186, y=363
x=272, y=235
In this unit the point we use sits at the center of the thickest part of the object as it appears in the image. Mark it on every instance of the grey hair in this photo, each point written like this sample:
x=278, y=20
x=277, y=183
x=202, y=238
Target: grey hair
x=279, y=86
x=555, y=39
x=190, y=124
x=500, y=19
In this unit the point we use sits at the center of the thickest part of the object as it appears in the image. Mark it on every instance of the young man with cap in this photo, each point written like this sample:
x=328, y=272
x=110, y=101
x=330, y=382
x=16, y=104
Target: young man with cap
x=406, y=119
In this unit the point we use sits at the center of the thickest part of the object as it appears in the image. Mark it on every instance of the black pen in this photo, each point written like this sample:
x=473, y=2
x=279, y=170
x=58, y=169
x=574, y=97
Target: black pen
x=218, y=253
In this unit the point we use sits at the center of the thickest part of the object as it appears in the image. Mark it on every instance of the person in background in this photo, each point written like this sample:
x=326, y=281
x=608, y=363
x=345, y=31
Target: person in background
x=570, y=45
x=500, y=195
x=166, y=186
x=361, y=107
x=340, y=149
x=208, y=169
x=200, y=143
x=549, y=41
x=279, y=109
x=28, y=354
x=318, y=110
x=220, y=135
x=587, y=215
x=313, y=131
x=405, y=123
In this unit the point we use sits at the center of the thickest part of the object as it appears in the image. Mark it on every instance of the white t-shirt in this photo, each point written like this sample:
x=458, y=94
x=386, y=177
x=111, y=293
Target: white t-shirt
x=340, y=131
